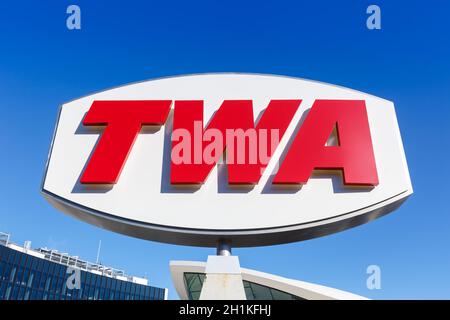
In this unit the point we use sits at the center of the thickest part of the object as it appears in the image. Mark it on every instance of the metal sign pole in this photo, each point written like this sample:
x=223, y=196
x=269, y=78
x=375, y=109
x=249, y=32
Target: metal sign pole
x=224, y=248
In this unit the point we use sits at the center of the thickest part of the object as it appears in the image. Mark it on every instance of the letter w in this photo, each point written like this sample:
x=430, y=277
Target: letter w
x=234, y=115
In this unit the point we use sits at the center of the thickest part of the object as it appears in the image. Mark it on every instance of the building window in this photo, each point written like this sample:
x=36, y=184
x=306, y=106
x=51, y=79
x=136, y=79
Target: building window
x=253, y=291
x=194, y=283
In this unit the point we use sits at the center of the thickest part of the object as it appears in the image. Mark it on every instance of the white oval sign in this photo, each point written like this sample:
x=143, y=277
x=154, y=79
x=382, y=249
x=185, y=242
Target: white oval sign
x=302, y=159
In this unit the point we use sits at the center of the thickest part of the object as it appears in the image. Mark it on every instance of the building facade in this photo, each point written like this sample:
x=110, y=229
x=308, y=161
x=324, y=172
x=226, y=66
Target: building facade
x=43, y=274
x=189, y=279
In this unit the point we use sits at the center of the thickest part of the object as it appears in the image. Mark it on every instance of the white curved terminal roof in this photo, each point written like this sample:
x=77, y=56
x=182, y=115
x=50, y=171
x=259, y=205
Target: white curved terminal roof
x=301, y=289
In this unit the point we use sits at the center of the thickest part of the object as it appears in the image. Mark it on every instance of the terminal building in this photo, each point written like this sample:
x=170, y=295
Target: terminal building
x=189, y=278
x=45, y=274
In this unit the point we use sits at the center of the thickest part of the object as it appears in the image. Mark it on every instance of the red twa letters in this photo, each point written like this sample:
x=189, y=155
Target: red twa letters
x=354, y=154
x=234, y=117
x=196, y=149
x=123, y=121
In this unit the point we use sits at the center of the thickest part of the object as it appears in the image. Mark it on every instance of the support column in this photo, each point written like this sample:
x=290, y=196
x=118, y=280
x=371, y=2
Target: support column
x=223, y=276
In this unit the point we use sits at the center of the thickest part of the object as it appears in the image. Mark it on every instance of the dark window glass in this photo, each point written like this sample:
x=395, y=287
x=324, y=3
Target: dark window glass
x=8, y=291
x=15, y=293
x=2, y=268
x=42, y=281
x=56, y=268
x=152, y=293
x=19, y=276
x=255, y=291
x=40, y=295
x=128, y=287
x=88, y=278
x=123, y=286
x=37, y=278
x=64, y=289
x=87, y=292
x=144, y=290
x=41, y=265
x=17, y=258
x=119, y=284
x=101, y=294
x=21, y=293
x=66, y=275
x=94, y=280
x=26, y=276
x=23, y=260
x=33, y=295
x=102, y=281
x=83, y=292
x=45, y=266
x=98, y=281
x=147, y=292
x=31, y=278
x=62, y=271
x=133, y=289
x=53, y=283
x=138, y=290
x=59, y=283
x=47, y=283
x=2, y=289
x=34, y=263
x=11, y=256
x=63, y=285
x=193, y=283
x=51, y=268
x=91, y=293
x=29, y=261
x=108, y=283
x=12, y=274
x=6, y=272
x=107, y=294
x=3, y=253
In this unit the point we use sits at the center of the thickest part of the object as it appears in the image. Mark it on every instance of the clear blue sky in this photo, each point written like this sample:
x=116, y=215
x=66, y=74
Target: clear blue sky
x=43, y=64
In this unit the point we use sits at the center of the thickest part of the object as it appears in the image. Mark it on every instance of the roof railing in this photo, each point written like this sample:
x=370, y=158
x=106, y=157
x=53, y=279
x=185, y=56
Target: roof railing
x=75, y=261
x=4, y=238
x=72, y=261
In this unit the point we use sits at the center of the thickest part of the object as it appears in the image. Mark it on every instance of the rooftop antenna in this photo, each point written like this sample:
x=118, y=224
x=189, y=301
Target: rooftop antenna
x=98, y=251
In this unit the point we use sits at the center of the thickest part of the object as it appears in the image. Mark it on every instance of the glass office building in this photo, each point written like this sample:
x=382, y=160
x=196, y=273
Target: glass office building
x=43, y=274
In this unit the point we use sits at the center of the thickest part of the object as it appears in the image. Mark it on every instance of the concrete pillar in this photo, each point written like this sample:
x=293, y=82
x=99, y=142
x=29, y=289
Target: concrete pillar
x=223, y=279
